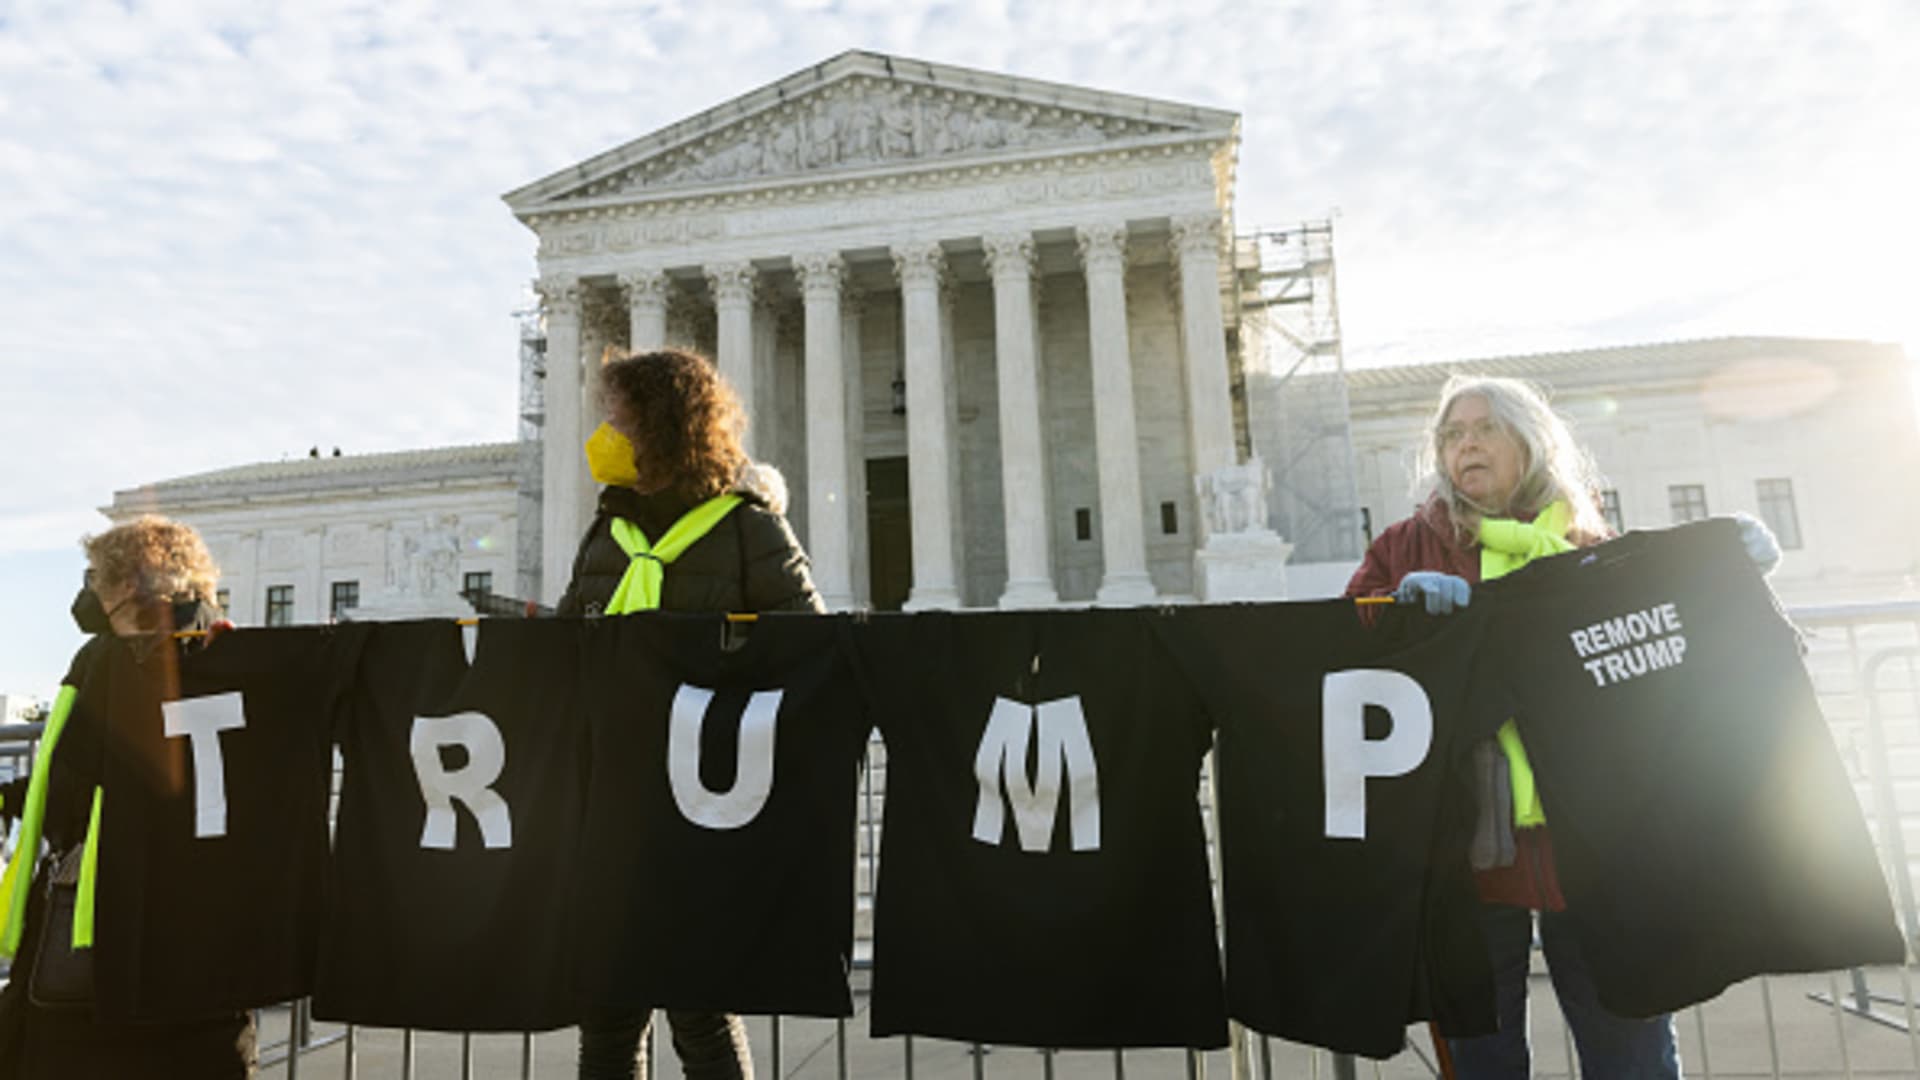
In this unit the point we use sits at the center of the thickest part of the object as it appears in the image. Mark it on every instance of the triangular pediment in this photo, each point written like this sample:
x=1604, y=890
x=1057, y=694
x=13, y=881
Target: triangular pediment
x=864, y=111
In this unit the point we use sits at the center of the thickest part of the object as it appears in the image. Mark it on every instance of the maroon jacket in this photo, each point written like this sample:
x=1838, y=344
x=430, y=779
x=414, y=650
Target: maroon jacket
x=1428, y=541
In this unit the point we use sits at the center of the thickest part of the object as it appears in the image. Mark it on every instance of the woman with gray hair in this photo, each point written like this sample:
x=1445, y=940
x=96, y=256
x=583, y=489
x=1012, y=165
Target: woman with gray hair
x=1510, y=485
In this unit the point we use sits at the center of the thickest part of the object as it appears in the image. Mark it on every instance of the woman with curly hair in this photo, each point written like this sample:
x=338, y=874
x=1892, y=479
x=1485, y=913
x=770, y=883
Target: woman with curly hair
x=685, y=523
x=146, y=580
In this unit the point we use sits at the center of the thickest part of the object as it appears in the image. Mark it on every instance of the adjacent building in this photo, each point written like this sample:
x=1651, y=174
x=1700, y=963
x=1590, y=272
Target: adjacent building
x=1820, y=439
x=323, y=538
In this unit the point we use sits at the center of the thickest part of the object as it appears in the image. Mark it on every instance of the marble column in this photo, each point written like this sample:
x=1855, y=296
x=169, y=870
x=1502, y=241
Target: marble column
x=1103, y=253
x=647, y=293
x=829, y=527
x=1196, y=249
x=603, y=321
x=1023, y=464
x=732, y=285
x=853, y=309
x=920, y=267
x=562, y=460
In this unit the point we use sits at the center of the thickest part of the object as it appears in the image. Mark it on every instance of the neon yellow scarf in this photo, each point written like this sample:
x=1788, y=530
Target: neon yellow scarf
x=17, y=882
x=639, y=588
x=1507, y=545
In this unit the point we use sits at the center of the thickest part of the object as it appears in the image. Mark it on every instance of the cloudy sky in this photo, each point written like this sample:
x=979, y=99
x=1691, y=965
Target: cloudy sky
x=231, y=231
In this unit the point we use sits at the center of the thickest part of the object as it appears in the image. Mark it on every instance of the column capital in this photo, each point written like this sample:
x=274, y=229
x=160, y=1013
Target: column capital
x=1009, y=254
x=647, y=286
x=560, y=294
x=1195, y=234
x=1103, y=246
x=920, y=263
x=821, y=275
x=732, y=282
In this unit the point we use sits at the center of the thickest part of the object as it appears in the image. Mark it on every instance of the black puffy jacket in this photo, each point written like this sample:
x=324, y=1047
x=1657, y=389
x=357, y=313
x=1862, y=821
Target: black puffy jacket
x=749, y=562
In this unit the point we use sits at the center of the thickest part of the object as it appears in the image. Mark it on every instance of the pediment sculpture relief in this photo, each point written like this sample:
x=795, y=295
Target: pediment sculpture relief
x=868, y=123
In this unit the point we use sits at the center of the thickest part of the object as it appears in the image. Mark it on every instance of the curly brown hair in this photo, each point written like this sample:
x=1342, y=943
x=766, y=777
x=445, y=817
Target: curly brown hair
x=683, y=419
x=164, y=560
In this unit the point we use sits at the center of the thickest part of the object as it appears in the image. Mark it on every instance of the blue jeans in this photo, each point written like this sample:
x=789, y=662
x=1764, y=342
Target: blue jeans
x=1611, y=1047
x=712, y=1046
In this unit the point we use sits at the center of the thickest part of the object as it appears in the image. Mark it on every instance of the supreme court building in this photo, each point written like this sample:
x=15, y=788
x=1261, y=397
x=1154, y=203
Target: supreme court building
x=979, y=322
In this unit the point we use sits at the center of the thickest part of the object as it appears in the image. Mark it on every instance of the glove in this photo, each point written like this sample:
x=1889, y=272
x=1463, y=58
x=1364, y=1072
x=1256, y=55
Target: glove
x=1441, y=592
x=1762, y=547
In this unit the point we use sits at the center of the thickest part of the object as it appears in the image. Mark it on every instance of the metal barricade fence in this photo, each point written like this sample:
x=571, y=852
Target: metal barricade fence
x=1865, y=663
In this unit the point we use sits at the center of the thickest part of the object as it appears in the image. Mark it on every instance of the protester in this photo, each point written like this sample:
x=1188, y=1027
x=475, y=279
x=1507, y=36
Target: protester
x=685, y=523
x=145, y=580
x=1511, y=485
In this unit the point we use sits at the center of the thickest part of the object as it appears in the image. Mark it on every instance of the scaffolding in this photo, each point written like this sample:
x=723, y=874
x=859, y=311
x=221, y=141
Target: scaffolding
x=532, y=334
x=1290, y=389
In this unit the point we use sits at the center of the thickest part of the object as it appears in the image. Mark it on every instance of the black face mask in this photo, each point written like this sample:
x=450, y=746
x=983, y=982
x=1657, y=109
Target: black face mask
x=88, y=615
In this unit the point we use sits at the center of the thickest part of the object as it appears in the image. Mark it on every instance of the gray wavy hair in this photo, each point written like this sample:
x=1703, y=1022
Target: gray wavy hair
x=1556, y=467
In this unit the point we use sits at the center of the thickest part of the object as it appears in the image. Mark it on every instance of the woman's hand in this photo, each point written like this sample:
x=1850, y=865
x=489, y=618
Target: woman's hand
x=1441, y=592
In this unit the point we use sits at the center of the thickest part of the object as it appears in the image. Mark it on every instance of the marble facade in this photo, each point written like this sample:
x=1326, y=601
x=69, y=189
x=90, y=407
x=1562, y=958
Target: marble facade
x=1003, y=296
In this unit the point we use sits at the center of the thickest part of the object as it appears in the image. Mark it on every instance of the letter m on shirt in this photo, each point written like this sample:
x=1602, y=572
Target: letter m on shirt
x=1063, y=767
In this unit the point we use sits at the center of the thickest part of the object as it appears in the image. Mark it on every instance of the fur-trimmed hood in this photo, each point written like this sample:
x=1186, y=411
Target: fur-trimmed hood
x=763, y=483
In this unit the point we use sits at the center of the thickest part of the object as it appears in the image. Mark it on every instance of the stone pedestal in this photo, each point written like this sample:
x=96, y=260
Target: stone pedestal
x=1242, y=566
x=1241, y=558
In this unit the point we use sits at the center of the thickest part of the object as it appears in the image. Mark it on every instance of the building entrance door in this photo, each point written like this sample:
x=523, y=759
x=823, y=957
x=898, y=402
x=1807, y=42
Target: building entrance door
x=889, y=533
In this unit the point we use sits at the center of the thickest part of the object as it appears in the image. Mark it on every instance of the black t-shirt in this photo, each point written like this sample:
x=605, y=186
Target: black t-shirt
x=213, y=828
x=1703, y=827
x=716, y=864
x=1349, y=906
x=1043, y=871
x=454, y=852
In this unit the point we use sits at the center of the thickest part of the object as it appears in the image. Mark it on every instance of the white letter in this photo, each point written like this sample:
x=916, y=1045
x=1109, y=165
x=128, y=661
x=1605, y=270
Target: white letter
x=201, y=720
x=753, y=768
x=1616, y=668
x=1351, y=757
x=1593, y=669
x=1671, y=616
x=486, y=758
x=1000, y=765
x=1063, y=737
x=1580, y=643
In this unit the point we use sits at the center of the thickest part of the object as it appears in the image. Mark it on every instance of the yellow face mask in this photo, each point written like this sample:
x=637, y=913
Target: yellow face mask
x=610, y=458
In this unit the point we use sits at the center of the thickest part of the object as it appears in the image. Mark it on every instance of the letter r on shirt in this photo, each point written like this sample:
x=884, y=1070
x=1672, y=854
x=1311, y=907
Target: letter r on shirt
x=471, y=783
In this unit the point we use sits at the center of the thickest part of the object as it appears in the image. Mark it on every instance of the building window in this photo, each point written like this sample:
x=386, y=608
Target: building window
x=346, y=595
x=1777, y=510
x=279, y=605
x=1083, y=524
x=1689, y=502
x=1610, y=509
x=221, y=600
x=1169, y=519
x=477, y=583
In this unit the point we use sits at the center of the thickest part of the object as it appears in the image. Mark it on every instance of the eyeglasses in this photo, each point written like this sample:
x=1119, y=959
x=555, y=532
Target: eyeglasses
x=1482, y=430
